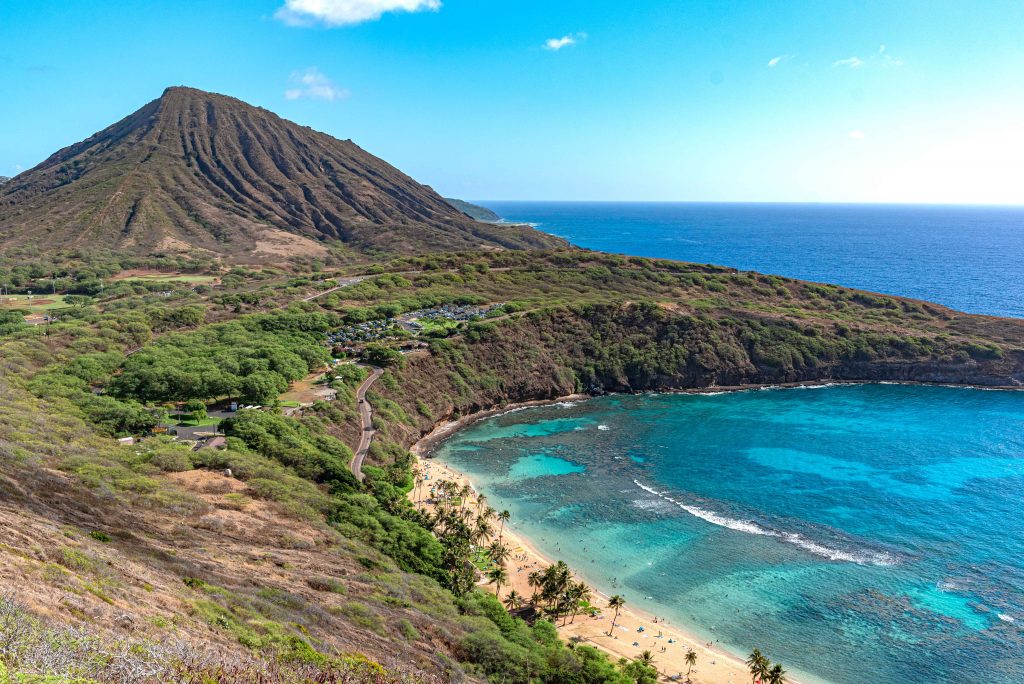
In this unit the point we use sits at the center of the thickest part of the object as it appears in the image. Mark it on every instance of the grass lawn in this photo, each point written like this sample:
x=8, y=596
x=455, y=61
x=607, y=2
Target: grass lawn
x=437, y=326
x=184, y=420
x=33, y=303
x=482, y=560
x=167, y=277
x=290, y=404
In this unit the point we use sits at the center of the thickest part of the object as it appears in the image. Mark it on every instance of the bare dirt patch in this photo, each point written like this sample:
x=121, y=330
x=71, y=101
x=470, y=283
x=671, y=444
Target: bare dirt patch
x=171, y=244
x=282, y=243
x=144, y=273
x=26, y=303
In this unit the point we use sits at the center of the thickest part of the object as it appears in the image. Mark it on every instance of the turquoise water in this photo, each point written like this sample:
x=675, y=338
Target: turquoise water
x=855, y=533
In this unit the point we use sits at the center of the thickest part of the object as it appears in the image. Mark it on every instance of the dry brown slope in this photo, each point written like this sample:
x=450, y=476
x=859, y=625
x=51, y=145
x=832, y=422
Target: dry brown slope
x=193, y=169
x=262, y=570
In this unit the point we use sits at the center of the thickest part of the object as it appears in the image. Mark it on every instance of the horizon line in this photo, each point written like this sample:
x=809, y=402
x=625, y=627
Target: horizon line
x=972, y=205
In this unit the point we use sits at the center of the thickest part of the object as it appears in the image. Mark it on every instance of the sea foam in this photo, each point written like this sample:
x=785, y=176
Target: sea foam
x=861, y=557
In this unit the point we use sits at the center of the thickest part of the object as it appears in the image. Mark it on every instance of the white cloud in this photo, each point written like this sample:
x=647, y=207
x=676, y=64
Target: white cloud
x=852, y=62
x=776, y=61
x=311, y=84
x=881, y=57
x=887, y=58
x=567, y=40
x=856, y=134
x=346, y=12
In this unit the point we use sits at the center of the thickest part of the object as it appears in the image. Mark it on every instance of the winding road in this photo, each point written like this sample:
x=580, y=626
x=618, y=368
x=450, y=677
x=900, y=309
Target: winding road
x=365, y=420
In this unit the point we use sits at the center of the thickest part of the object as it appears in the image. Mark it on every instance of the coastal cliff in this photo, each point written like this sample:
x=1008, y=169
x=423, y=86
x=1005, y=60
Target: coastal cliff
x=634, y=348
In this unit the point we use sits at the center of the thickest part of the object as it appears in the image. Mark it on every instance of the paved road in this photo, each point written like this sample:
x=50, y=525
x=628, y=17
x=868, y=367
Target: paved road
x=365, y=421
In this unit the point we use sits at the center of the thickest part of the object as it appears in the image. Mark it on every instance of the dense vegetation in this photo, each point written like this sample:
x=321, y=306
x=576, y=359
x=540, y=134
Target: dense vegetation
x=395, y=581
x=253, y=359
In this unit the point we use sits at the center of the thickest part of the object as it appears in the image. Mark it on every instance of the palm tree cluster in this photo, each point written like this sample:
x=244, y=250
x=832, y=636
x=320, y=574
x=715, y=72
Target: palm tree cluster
x=763, y=670
x=462, y=528
x=557, y=593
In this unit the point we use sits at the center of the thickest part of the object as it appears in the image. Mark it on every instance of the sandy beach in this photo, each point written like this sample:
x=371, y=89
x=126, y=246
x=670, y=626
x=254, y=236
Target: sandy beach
x=635, y=630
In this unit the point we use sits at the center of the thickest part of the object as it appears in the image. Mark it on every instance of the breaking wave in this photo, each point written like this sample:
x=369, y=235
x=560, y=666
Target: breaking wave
x=864, y=557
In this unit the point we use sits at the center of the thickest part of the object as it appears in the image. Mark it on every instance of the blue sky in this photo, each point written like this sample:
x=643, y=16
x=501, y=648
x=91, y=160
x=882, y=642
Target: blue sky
x=907, y=101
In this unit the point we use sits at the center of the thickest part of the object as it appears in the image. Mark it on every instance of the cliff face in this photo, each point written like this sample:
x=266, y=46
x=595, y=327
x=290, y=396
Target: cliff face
x=629, y=349
x=474, y=211
x=194, y=170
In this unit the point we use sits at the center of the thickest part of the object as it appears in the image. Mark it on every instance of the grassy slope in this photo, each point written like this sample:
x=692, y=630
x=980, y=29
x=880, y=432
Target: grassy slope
x=91, y=532
x=259, y=543
x=589, y=322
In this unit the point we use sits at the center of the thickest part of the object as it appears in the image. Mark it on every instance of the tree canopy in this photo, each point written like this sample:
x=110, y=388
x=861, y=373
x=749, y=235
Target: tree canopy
x=253, y=359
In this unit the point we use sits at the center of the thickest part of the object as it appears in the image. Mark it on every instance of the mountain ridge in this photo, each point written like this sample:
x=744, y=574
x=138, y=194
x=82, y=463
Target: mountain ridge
x=474, y=211
x=196, y=170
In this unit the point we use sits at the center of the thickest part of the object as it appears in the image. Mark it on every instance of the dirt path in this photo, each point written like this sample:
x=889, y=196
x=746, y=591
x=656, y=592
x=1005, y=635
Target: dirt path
x=344, y=282
x=366, y=421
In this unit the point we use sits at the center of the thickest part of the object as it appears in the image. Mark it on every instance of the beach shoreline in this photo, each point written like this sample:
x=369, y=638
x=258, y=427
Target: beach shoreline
x=715, y=664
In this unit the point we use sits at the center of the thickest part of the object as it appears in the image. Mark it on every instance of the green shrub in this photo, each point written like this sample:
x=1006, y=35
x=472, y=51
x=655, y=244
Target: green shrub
x=407, y=630
x=73, y=559
x=171, y=460
x=194, y=583
x=362, y=615
x=328, y=584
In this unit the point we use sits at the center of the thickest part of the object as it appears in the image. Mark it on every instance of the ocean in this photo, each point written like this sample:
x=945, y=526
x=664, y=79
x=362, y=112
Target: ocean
x=854, y=532
x=968, y=258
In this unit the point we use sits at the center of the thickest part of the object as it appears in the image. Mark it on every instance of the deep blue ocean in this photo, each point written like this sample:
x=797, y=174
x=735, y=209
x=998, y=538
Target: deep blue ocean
x=968, y=258
x=856, y=533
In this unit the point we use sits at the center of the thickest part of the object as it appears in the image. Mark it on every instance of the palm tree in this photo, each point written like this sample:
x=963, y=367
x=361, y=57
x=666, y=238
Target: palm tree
x=417, y=481
x=513, y=600
x=536, y=580
x=555, y=582
x=776, y=675
x=615, y=602
x=646, y=658
x=579, y=593
x=502, y=517
x=497, y=576
x=482, y=530
x=758, y=665
x=691, y=660
x=499, y=553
